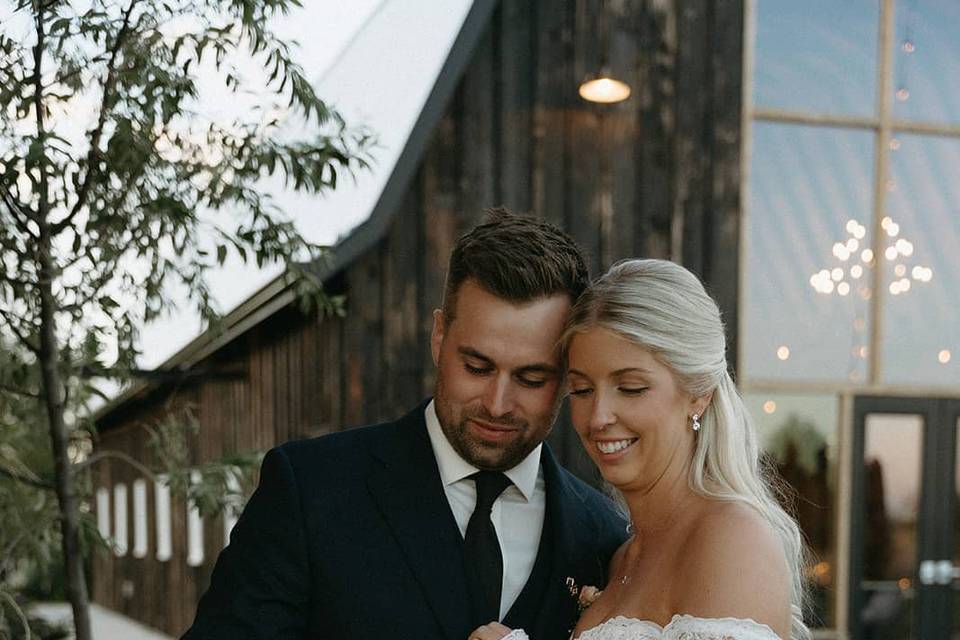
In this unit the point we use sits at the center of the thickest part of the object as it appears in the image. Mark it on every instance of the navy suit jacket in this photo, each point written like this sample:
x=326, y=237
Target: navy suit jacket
x=350, y=536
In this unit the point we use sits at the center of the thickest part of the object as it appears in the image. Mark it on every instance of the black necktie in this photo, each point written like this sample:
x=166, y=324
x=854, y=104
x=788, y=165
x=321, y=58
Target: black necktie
x=484, y=560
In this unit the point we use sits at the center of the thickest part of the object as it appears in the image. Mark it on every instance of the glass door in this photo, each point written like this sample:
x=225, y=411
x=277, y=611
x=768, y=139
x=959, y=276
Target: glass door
x=905, y=559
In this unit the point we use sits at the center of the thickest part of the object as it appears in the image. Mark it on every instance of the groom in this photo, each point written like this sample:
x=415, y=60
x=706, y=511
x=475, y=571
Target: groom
x=455, y=514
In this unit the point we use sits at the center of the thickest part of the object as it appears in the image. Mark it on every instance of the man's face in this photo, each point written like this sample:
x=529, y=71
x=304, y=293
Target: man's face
x=498, y=374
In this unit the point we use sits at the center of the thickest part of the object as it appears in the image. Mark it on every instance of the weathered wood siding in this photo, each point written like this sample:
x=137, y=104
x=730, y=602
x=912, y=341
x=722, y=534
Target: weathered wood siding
x=655, y=176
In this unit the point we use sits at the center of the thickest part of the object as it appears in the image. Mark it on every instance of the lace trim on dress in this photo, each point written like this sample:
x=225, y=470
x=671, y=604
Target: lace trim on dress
x=680, y=627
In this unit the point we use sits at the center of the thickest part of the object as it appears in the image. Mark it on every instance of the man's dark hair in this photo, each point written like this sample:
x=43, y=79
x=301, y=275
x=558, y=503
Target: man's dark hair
x=517, y=258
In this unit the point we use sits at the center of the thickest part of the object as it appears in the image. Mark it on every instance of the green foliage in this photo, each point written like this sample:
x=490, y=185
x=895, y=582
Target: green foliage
x=117, y=196
x=212, y=486
x=151, y=193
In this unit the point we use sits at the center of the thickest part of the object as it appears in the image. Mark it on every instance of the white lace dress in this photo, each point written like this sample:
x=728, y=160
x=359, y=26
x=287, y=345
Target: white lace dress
x=680, y=627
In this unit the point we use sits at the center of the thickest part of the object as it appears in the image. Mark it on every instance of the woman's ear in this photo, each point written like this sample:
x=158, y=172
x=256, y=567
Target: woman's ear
x=699, y=405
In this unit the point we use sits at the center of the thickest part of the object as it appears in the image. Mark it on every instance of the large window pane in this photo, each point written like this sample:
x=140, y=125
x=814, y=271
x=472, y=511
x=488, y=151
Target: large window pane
x=807, y=296
x=816, y=55
x=927, y=61
x=921, y=335
x=893, y=445
x=799, y=432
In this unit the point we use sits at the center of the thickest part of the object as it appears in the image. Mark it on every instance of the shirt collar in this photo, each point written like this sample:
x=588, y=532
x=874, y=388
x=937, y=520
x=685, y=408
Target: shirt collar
x=453, y=468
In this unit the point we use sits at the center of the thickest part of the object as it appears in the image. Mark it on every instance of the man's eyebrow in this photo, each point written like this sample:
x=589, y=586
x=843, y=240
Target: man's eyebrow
x=538, y=367
x=470, y=352
x=535, y=367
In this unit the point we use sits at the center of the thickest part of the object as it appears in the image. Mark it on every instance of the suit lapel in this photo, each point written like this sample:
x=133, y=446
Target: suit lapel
x=575, y=553
x=409, y=493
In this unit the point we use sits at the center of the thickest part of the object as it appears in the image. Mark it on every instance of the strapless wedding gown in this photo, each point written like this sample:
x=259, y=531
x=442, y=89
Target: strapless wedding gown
x=680, y=627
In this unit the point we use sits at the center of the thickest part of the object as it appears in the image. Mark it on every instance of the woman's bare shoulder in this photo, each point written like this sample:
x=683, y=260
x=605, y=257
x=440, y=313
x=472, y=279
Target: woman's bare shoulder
x=733, y=565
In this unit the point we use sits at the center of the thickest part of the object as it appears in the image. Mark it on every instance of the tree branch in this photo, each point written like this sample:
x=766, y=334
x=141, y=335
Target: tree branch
x=23, y=619
x=93, y=155
x=16, y=477
x=119, y=455
x=6, y=277
x=19, y=392
x=24, y=214
x=16, y=333
x=63, y=78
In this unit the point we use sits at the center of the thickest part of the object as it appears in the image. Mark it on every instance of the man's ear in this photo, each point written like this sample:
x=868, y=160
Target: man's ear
x=436, y=336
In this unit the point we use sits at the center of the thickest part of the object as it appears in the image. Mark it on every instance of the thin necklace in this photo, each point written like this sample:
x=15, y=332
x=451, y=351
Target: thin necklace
x=631, y=528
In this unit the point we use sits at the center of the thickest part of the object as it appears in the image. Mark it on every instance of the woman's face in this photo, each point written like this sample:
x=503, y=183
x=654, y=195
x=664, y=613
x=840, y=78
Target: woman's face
x=630, y=413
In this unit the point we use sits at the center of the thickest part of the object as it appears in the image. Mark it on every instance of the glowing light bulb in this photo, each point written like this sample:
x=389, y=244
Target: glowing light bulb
x=944, y=356
x=605, y=90
x=769, y=406
x=843, y=288
x=866, y=255
x=783, y=352
x=856, y=271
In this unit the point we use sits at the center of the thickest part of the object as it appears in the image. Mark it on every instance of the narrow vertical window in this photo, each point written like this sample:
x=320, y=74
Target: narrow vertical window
x=194, y=528
x=161, y=492
x=140, y=518
x=232, y=511
x=120, y=542
x=103, y=512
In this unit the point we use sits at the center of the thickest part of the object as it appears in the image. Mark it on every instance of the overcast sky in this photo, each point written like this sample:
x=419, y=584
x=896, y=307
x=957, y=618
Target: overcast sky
x=375, y=61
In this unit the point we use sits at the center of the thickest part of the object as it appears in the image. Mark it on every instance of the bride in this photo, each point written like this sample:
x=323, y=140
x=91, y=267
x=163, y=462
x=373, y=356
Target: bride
x=712, y=555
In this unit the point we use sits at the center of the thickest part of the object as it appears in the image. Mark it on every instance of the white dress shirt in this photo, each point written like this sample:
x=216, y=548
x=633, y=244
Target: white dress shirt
x=517, y=514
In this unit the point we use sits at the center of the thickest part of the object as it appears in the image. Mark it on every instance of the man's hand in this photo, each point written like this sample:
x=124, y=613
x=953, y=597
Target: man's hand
x=492, y=631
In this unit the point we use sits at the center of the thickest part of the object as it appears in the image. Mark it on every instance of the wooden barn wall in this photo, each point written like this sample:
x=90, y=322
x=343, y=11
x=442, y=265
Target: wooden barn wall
x=654, y=176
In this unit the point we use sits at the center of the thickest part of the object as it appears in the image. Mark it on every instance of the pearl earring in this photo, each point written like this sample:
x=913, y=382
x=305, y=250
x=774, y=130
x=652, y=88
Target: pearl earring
x=696, y=422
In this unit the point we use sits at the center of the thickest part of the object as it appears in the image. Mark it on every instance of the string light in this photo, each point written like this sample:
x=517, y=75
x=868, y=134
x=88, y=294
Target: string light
x=829, y=280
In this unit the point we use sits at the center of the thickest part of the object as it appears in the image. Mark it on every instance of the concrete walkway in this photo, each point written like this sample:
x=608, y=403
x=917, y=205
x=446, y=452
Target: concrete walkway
x=107, y=624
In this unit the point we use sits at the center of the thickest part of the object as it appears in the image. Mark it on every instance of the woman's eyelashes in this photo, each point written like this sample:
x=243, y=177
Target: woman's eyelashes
x=628, y=391
x=632, y=391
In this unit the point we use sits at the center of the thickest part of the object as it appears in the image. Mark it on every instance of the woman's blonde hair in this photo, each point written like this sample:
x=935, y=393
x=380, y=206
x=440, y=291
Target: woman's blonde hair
x=664, y=308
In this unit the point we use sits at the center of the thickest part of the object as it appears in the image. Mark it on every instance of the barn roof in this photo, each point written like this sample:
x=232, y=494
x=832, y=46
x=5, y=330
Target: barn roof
x=374, y=37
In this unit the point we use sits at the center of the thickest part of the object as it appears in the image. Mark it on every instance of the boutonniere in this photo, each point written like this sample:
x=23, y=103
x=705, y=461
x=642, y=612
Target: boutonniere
x=585, y=595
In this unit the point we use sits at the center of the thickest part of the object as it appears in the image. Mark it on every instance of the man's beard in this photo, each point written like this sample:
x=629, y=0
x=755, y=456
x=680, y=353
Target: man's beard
x=482, y=454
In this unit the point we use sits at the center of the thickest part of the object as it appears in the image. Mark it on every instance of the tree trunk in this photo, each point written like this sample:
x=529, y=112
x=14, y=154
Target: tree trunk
x=53, y=390
x=59, y=440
